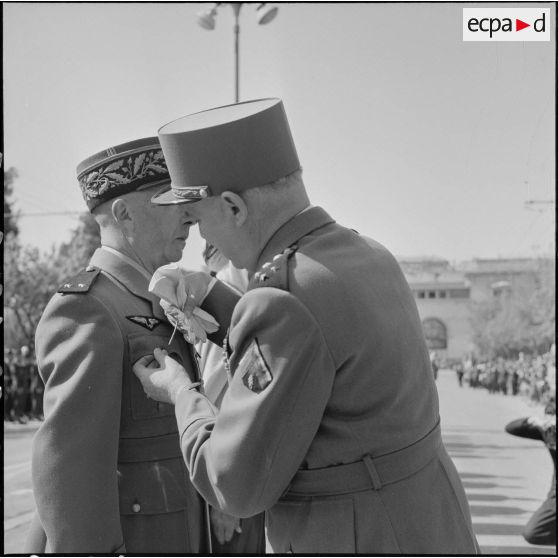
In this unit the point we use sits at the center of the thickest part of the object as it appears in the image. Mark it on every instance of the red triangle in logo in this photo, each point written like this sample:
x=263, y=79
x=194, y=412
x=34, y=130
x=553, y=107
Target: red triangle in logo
x=519, y=25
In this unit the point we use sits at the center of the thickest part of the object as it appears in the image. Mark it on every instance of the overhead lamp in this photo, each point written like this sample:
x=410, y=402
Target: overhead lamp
x=207, y=19
x=265, y=14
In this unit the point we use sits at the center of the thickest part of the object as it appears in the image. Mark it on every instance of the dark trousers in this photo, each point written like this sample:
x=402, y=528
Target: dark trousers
x=541, y=528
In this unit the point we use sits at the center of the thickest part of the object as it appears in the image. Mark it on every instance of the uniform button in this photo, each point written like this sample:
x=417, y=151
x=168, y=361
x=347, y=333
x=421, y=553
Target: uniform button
x=136, y=508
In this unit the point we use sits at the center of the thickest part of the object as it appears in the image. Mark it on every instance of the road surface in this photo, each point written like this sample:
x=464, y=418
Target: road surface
x=506, y=478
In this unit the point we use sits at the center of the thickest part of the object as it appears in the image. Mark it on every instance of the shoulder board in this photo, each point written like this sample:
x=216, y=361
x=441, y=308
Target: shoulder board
x=275, y=272
x=80, y=283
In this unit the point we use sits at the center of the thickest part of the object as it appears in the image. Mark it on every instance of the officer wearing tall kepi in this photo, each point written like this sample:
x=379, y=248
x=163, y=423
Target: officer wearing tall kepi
x=330, y=423
x=108, y=475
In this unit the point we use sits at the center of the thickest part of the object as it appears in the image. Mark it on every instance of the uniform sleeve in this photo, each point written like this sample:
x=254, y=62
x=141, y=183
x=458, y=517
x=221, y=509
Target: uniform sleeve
x=220, y=303
x=243, y=459
x=520, y=427
x=74, y=462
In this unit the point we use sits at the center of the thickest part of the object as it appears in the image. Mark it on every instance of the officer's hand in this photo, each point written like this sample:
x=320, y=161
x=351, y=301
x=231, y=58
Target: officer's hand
x=164, y=381
x=224, y=525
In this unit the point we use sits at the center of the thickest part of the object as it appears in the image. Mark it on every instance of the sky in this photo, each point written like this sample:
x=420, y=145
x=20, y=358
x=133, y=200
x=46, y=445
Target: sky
x=406, y=133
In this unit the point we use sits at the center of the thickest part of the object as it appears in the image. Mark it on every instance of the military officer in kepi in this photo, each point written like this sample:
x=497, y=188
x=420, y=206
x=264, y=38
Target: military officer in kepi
x=108, y=474
x=330, y=423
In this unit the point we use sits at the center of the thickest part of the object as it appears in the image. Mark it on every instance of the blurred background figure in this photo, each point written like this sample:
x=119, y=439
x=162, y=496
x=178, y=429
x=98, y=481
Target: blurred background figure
x=434, y=363
x=541, y=528
x=9, y=388
x=229, y=535
x=22, y=376
x=459, y=370
x=23, y=387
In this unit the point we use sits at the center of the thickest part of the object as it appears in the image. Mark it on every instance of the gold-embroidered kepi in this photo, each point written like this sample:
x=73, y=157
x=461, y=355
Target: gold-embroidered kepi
x=229, y=148
x=122, y=169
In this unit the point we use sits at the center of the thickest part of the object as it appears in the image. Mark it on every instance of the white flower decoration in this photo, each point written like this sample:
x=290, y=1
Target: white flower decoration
x=180, y=290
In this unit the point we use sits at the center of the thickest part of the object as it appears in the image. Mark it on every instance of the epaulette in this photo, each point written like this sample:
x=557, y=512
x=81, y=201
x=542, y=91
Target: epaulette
x=274, y=273
x=80, y=283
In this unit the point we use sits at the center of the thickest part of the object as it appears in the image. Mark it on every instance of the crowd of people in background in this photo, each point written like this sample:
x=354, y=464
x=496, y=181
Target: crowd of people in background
x=529, y=375
x=22, y=385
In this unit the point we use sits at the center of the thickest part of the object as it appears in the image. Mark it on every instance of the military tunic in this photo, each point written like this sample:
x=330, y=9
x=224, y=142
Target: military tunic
x=331, y=421
x=107, y=471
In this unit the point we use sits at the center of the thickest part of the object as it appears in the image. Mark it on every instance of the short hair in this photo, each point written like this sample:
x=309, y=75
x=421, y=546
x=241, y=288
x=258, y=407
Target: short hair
x=280, y=186
x=103, y=212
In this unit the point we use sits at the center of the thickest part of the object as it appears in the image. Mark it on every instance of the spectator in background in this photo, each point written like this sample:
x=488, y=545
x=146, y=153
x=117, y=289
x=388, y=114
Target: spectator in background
x=459, y=371
x=9, y=386
x=434, y=363
x=22, y=383
x=541, y=528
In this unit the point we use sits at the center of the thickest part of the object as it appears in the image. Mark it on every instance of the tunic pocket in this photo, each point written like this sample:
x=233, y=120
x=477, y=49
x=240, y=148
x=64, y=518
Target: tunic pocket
x=313, y=526
x=153, y=487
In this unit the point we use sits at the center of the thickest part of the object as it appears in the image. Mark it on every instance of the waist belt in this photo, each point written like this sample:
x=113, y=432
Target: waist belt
x=368, y=473
x=134, y=450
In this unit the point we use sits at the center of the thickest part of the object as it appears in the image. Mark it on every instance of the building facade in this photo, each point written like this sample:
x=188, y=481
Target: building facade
x=445, y=294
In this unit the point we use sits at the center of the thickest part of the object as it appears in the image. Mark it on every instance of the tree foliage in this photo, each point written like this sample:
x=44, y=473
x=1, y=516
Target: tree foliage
x=32, y=277
x=73, y=255
x=10, y=216
x=519, y=320
x=30, y=280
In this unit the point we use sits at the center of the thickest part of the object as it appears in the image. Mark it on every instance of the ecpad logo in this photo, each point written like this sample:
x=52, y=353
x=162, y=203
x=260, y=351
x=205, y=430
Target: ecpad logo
x=506, y=24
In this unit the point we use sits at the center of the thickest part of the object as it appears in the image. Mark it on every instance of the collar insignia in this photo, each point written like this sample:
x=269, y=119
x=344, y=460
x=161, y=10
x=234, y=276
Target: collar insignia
x=145, y=321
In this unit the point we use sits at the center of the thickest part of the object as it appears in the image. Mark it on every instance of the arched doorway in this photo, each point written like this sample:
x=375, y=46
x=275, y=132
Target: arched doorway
x=435, y=333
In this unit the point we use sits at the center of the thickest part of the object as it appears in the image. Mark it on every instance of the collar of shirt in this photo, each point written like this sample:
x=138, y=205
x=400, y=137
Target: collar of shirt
x=129, y=261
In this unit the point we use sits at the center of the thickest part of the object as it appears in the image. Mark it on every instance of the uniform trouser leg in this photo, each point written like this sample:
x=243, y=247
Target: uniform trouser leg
x=541, y=528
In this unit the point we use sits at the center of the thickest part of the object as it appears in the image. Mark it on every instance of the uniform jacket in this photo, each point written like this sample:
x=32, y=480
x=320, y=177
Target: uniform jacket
x=329, y=367
x=107, y=471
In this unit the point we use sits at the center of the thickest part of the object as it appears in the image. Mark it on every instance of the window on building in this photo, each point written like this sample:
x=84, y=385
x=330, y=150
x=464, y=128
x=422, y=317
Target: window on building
x=442, y=294
x=420, y=294
x=459, y=293
x=431, y=294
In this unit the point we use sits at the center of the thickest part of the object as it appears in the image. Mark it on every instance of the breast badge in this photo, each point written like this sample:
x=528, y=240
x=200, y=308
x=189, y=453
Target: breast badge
x=148, y=322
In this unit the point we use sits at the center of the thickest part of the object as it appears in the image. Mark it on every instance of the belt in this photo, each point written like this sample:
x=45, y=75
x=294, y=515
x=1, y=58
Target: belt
x=369, y=472
x=134, y=450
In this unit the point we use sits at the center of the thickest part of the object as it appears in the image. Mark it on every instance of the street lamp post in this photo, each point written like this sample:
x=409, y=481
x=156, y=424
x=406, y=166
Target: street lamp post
x=264, y=14
x=236, y=10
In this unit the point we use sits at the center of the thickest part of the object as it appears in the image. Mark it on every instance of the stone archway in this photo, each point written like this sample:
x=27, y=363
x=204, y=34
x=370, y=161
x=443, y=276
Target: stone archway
x=435, y=333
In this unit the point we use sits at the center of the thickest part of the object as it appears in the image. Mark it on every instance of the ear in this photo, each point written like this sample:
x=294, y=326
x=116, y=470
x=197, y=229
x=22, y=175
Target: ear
x=236, y=206
x=120, y=211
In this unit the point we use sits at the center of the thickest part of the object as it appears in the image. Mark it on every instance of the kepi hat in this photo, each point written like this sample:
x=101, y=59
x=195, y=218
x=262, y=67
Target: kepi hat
x=122, y=169
x=229, y=148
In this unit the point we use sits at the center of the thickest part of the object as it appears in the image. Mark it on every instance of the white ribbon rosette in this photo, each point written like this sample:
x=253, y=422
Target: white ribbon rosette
x=180, y=292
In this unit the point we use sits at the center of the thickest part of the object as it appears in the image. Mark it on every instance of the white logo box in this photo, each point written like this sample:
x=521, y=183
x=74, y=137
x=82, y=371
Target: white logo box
x=499, y=24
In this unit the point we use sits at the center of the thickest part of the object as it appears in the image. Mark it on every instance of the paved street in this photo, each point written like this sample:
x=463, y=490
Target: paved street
x=505, y=477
